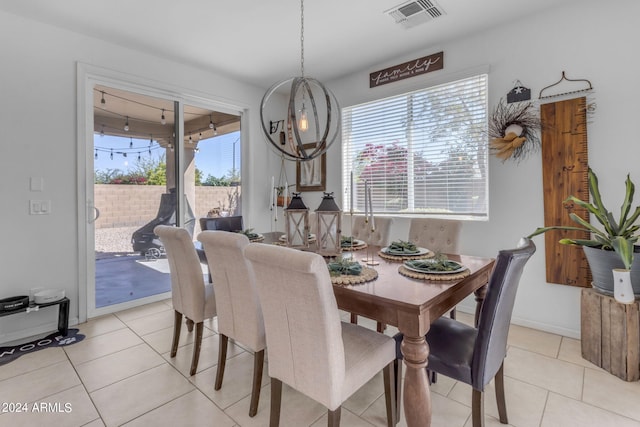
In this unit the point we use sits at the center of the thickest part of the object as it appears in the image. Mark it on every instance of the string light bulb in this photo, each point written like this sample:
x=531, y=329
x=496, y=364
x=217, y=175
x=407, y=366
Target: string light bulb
x=102, y=101
x=163, y=121
x=126, y=125
x=130, y=142
x=95, y=156
x=190, y=140
x=215, y=130
x=111, y=155
x=211, y=125
x=200, y=137
x=102, y=131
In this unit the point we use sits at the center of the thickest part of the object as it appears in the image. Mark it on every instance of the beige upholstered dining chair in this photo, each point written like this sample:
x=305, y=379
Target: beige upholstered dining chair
x=190, y=295
x=438, y=235
x=361, y=230
x=239, y=313
x=308, y=347
x=379, y=237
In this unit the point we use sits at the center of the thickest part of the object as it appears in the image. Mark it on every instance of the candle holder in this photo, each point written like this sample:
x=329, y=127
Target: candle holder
x=369, y=260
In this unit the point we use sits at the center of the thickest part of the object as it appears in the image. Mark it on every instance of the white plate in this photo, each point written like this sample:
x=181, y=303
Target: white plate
x=356, y=242
x=418, y=270
x=421, y=251
x=312, y=237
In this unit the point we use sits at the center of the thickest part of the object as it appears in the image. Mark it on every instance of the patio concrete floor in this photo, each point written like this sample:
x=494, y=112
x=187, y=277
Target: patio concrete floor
x=128, y=276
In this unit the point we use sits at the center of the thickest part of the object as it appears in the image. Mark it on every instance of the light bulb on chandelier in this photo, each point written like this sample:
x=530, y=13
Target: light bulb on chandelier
x=303, y=123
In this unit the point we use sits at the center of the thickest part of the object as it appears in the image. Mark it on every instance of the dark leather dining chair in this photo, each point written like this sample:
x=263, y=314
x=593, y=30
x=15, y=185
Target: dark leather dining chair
x=223, y=223
x=476, y=355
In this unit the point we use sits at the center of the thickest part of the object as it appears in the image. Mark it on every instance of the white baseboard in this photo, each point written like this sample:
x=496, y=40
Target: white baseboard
x=528, y=323
x=26, y=335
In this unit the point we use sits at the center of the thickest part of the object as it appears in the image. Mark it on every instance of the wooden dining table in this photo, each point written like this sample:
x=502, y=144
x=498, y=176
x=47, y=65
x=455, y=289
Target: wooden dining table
x=410, y=305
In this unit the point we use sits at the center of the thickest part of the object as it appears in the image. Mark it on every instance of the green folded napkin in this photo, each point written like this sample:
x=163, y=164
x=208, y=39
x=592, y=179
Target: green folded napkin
x=400, y=246
x=433, y=264
x=347, y=241
x=351, y=268
x=249, y=233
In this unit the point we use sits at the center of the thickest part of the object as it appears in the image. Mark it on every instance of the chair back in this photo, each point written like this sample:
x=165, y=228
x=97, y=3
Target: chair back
x=495, y=316
x=301, y=319
x=438, y=235
x=187, y=280
x=237, y=304
x=379, y=237
x=223, y=223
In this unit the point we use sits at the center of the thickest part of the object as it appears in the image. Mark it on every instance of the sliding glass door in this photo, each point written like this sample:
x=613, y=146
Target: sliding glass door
x=143, y=176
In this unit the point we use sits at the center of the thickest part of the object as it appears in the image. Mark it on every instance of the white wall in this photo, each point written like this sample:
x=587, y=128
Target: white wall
x=38, y=139
x=591, y=40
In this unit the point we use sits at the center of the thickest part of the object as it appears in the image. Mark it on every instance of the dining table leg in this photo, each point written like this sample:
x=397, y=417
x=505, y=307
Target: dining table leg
x=480, y=293
x=416, y=393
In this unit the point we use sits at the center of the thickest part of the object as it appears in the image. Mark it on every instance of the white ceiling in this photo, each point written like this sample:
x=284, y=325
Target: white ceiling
x=259, y=41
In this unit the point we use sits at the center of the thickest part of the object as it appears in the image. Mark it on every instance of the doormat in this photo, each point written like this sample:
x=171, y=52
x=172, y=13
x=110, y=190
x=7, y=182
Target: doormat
x=8, y=354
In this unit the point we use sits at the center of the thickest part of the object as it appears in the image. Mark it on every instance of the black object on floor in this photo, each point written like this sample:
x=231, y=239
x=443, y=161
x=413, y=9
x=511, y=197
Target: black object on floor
x=11, y=353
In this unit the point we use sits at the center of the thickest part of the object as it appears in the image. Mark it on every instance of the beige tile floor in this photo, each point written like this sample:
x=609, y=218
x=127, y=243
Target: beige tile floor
x=122, y=375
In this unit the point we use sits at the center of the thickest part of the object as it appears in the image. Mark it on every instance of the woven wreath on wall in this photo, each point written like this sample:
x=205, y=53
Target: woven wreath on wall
x=513, y=130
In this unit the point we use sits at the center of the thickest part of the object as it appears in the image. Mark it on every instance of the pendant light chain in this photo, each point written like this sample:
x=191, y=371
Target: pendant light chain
x=321, y=121
x=302, y=38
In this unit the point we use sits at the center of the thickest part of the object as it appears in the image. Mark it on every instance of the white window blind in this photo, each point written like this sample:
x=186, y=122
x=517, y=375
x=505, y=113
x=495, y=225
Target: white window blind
x=421, y=152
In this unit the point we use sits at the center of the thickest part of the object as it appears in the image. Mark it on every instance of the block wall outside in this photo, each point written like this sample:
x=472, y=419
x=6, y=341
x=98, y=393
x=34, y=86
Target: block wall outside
x=136, y=205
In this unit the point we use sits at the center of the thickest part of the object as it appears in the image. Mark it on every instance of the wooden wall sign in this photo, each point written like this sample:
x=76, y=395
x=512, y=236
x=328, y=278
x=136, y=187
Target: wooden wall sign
x=565, y=172
x=408, y=69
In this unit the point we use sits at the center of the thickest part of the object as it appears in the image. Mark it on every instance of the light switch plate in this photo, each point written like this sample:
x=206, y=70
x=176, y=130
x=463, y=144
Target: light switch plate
x=36, y=183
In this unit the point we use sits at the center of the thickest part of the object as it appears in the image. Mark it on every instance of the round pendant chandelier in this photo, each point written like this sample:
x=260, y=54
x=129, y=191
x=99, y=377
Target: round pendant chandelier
x=310, y=123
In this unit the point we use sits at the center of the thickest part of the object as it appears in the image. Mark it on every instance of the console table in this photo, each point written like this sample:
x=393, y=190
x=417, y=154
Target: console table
x=63, y=313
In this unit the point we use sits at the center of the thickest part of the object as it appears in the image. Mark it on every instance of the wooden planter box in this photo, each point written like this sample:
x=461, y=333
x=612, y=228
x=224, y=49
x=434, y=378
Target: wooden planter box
x=611, y=334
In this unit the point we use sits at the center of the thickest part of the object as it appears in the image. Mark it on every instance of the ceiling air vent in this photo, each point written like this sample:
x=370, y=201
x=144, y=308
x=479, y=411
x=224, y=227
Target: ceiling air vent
x=415, y=12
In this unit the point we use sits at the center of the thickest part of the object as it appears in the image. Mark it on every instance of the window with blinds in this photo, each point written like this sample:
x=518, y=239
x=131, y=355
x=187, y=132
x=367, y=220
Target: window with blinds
x=423, y=152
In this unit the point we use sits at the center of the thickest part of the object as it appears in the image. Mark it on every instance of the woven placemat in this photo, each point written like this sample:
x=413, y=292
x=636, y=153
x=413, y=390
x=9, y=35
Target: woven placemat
x=400, y=258
x=354, y=247
x=367, y=275
x=281, y=243
x=426, y=276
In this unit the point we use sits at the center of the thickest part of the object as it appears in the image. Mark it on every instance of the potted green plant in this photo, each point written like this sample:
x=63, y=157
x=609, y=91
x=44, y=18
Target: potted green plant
x=610, y=247
x=280, y=190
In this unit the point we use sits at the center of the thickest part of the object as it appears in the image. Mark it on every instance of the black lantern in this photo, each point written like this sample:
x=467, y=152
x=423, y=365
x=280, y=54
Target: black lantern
x=329, y=217
x=297, y=223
